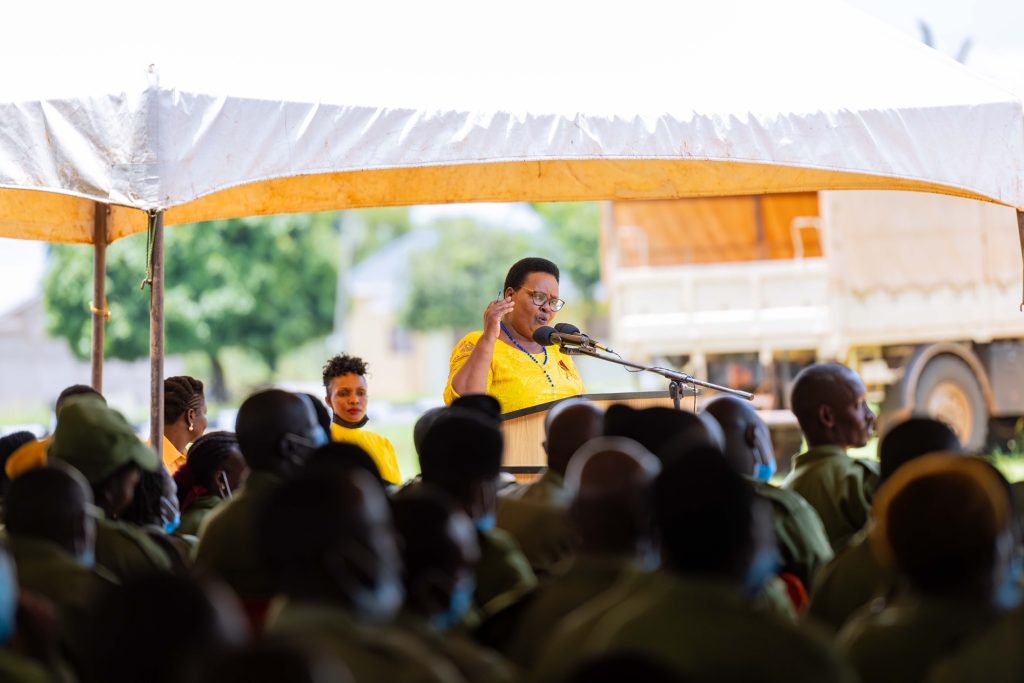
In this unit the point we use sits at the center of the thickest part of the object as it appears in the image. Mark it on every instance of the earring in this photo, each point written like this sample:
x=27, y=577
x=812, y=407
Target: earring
x=191, y=427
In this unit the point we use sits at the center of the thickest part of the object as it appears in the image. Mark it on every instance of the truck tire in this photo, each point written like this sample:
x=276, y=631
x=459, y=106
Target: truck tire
x=948, y=390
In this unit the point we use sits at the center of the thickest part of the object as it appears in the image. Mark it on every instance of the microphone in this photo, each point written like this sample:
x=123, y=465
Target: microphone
x=565, y=333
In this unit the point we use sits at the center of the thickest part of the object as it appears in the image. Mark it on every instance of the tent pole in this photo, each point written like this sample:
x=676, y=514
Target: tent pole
x=1020, y=235
x=156, y=337
x=100, y=312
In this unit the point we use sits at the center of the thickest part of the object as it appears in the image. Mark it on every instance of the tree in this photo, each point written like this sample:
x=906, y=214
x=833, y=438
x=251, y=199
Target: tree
x=450, y=284
x=264, y=284
x=575, y=228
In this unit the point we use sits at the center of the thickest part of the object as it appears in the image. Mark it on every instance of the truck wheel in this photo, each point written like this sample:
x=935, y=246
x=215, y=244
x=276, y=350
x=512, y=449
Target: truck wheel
x=948, y=390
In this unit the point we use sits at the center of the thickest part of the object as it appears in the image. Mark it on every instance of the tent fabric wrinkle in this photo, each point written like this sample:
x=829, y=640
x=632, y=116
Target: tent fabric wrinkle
x=759, y=97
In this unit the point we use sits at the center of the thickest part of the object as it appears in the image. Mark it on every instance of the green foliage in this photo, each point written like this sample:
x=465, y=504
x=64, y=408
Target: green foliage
x=450, y=284
x=575, y=227
x=370, y=229
x=265, y=284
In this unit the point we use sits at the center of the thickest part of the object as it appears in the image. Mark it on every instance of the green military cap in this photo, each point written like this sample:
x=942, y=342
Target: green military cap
x=97, y=440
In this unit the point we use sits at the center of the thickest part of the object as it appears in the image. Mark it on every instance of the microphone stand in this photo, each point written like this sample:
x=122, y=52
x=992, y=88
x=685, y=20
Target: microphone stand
x=676, y=380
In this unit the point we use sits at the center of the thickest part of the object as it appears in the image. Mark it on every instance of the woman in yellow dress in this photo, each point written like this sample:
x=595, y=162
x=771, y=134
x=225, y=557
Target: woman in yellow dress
x=502, y=359
x=348, y=397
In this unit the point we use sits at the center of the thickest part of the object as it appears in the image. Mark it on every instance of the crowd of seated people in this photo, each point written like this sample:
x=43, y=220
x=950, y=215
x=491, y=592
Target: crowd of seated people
x=658, y=545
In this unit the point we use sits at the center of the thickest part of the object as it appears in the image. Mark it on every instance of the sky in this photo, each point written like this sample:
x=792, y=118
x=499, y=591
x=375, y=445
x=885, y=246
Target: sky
x=993, y=26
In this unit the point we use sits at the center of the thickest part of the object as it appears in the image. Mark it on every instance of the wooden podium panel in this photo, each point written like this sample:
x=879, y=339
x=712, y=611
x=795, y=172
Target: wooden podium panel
x=524, y=429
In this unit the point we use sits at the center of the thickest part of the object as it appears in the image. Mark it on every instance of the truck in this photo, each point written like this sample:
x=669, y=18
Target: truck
x=919, y=293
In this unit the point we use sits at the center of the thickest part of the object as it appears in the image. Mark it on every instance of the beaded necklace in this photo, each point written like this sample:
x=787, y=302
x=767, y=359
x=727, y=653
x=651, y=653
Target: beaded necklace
x=530, y=355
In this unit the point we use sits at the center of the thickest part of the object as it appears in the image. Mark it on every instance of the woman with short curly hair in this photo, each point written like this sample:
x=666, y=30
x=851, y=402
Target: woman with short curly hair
x=348, y=397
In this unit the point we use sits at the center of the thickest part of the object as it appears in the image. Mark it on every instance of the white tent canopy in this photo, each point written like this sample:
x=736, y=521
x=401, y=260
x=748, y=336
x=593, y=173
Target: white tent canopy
x=205, y=113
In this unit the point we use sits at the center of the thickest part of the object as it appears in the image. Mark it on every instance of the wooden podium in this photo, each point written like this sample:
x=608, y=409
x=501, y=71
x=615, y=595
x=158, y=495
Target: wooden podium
x=524, y=429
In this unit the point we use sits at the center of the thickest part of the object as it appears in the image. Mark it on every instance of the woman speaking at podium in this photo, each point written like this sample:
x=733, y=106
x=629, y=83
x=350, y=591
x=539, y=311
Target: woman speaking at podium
x=502, y=359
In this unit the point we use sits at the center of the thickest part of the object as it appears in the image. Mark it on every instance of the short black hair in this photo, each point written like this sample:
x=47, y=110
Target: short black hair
x=522, y=268
x=662, y=431
x=704, y=511
x=343, y=364
x=462, y=447
x=206, y=455
x=334, y=458
x=181, y=394
x=75, y=390
x=911, y=439
x=9, y=444
x=811, y=386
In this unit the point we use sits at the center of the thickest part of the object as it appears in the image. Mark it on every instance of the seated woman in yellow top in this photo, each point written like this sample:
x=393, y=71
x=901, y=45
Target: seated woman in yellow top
x=184, y=418
x=503, y=360
x=345, y=382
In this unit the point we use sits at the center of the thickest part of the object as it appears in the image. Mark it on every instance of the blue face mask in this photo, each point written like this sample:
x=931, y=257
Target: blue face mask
x=762, y=568
x=460, y=602
x=172, y=525
x=88, y=558
x=1008, y=594
x=764, y=472
x=486, y=523
x=8, y=601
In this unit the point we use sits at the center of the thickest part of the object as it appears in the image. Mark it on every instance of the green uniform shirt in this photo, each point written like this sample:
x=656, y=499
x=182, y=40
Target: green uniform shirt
x=537, y=517
x=548, y=488
x=838, y=487
x=849, y=582
x=562, y=653
x=503, y=574
x=803, y=543
x=227, y=540
x=475, y=662
x=705, y=631
x=372, y=654
x=903, y=641
x=579, y=580
x=994, y=656
x=50, y=571
x=192, y=518
x=126, y=550
x=19, y=669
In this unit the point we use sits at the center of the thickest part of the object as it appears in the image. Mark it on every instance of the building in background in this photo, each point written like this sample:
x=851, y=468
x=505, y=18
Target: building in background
x=36, y=367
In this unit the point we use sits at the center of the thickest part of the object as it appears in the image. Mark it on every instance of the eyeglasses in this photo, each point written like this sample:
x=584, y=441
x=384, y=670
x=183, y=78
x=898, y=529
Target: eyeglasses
x=540, y=298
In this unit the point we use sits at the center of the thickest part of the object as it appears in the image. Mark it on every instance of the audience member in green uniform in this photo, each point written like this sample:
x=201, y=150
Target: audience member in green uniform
x=945, y=523
x=718, y=549
x=537, y=514
x=161, y=629
x=14, y=665
x=671, y=434
x=857, y=576
x=330, y=546
x=994, y=656
x=214, y=471
x=612, y=478
x=52, y=536
x=277, y=430
x=830, y=403
x=440, y=554
x=99, y=443
x=748, y=450
x=461, y=455
x=154, y=509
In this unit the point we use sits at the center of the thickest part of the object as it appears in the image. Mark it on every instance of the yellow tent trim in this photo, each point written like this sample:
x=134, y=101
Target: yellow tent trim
x=544, y=181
